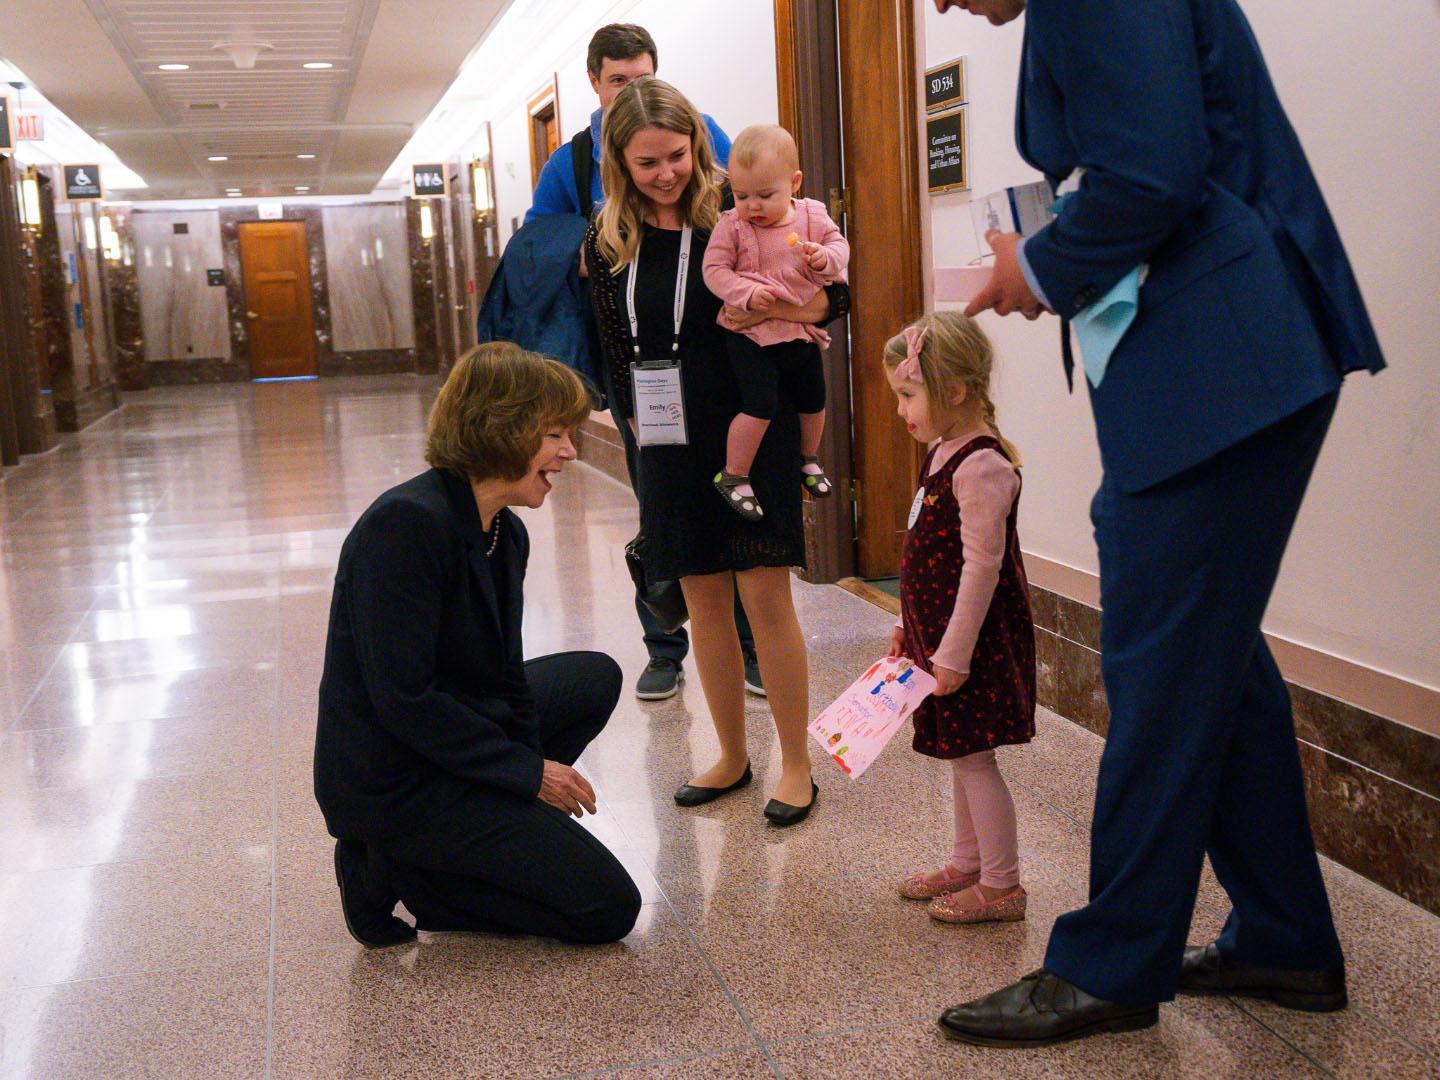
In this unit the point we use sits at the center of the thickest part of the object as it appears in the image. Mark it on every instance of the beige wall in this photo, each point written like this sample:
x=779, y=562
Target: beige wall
x=1361, y=580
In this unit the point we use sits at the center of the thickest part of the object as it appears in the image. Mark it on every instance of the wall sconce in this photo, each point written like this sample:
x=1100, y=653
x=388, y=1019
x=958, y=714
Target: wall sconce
x=109, y=239
x=427, y=222
x=480, y=187
x=30, y=214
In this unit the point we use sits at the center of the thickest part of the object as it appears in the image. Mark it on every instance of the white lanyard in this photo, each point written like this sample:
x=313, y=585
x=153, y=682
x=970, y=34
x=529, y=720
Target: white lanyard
x=682, y=274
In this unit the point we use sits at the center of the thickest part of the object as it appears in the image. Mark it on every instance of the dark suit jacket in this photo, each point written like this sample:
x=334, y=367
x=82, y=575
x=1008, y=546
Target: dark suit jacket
x=424, y=692
x=1251, y=310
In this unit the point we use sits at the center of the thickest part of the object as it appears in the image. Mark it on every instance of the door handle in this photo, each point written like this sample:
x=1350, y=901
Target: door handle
x=252, y=314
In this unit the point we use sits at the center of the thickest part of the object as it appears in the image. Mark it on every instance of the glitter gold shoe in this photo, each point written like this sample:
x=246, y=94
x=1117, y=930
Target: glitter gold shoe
x=927, y=884
x=1007, y=908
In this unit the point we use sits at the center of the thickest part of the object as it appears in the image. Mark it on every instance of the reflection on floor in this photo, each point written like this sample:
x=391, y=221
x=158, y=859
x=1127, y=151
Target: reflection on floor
x=166, y=900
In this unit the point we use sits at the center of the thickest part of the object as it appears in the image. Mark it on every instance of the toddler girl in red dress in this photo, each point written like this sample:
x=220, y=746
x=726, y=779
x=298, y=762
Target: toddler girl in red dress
x=965, y=609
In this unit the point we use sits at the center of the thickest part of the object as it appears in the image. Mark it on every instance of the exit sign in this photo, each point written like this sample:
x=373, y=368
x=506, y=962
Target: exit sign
x=429, y=181
x=30, y=126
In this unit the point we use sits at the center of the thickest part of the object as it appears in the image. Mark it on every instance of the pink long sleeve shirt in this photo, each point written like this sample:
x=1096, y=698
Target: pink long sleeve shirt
x=741, y=257
x=985, y=486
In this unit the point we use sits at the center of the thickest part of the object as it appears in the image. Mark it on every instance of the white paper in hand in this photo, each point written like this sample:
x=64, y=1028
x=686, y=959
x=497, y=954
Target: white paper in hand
x=866, y=716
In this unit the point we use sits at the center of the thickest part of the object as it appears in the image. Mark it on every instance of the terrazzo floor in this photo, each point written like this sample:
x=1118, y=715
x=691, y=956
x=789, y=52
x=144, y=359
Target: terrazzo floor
x=167, y=902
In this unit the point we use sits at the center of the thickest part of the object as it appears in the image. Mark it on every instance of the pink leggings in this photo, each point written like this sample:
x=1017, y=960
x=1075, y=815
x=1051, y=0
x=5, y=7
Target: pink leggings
x=985, y=837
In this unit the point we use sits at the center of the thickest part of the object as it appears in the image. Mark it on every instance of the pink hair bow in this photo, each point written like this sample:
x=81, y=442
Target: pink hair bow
x=909, y=368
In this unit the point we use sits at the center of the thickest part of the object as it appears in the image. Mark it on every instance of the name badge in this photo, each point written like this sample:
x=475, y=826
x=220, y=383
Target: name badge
x=915, y=508
x=659, y=405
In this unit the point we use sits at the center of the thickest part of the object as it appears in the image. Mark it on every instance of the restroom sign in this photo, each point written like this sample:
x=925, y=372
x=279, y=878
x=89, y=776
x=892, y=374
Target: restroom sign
x=429, y=181
x=945, y=85
x=82, y=183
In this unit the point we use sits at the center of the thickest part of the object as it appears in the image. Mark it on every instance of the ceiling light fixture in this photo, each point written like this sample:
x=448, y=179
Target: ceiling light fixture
x=318, y=65
x=306, y=157
x=302, y=187
x=233, y=194
x=243, y=53
x=174, y=67
x=217, y=157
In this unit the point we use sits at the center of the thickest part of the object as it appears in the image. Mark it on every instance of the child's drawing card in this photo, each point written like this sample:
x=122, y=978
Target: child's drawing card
x=866, y=716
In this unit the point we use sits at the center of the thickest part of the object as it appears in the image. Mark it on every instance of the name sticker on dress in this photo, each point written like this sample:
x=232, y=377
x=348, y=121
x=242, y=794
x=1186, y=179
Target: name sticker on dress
x=915, y=508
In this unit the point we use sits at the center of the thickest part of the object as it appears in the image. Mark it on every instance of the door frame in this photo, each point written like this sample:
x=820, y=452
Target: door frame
x=808, y=77
x=847, y=77
x=307, y=291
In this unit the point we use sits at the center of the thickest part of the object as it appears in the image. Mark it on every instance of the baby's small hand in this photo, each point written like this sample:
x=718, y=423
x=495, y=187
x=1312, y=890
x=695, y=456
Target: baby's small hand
x=947, y=681
x=762, y=299
x=897, y=642
x=814, y=255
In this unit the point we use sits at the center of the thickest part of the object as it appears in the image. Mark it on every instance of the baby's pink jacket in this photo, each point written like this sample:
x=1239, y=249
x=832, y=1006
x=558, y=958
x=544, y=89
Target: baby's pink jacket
x=740, y=257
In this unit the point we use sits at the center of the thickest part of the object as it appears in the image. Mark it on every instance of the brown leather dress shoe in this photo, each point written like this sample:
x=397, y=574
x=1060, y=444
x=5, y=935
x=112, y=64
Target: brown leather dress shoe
x=1040, y=1010
x=1205, y=971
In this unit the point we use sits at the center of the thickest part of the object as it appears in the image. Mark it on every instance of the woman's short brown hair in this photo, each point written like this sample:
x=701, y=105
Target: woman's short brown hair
x=494, y=409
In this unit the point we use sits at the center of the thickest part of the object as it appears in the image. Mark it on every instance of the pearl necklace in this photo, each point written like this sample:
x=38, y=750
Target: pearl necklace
x=495, y=542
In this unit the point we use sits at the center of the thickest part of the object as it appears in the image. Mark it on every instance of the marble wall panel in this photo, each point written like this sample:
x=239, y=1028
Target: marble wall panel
x=123, y=284
x=422, y=291
x=183, y=316
x=370, y=301
x=1373, y=784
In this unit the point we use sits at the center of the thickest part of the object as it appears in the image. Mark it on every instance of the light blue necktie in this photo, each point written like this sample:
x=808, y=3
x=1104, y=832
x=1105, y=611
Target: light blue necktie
x=1100, y=326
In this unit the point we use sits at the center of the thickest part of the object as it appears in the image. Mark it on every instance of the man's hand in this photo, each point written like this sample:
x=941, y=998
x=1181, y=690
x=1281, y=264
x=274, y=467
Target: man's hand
x=565, y=789
x=813, y=254
x=897, y=642
x=947, y=681
x=1008, y=291
x=762, y=299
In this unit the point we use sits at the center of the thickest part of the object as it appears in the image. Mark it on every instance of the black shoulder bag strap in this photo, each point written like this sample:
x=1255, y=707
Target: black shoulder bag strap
x=582, y=147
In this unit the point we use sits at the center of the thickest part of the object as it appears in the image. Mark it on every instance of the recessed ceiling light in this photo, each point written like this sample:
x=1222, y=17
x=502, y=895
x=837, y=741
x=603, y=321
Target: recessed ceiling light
x=306, y=157
x=233, y=194
x=319, y=65
x=174, y=67
x=302, y=187
x=217, y=157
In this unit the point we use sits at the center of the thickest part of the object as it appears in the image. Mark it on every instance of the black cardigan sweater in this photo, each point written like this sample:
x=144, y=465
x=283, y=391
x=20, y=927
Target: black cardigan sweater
x=424, y=695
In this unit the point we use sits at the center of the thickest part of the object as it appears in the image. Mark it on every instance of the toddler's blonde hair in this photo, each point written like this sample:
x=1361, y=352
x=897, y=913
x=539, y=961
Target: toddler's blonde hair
x=757, y=141
x=955, y=350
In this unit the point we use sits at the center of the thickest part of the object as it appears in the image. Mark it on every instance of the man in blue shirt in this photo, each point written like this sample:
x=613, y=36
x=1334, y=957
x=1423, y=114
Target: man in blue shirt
x=620, y=53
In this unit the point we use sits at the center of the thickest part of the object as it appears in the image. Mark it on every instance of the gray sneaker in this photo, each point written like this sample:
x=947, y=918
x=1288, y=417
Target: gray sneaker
x=661, y=679
x=752, y=674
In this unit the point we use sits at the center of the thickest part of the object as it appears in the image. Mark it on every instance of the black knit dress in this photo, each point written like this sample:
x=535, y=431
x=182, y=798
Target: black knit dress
x=686, y=527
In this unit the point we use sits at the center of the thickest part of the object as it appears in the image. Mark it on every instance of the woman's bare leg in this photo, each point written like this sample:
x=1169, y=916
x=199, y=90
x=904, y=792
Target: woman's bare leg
x=780, y=646
x=716, y=647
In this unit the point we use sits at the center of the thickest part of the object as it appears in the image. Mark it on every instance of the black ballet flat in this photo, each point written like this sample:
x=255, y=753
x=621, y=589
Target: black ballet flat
x=368, y=922
x=694, y=795
x=783, y=814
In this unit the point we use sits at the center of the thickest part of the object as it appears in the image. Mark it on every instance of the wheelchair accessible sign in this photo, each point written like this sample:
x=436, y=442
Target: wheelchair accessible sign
x=82, y=183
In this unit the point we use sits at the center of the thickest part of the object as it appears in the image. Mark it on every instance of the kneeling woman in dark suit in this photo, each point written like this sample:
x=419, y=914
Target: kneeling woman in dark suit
x=443, y=759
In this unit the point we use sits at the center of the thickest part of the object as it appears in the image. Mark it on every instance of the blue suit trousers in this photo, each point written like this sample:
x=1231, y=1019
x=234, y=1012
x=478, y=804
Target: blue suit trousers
x=1201, y=756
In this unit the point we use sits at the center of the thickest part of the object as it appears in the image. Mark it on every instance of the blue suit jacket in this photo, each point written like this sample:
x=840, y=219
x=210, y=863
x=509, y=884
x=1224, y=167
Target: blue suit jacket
x=1250, y=311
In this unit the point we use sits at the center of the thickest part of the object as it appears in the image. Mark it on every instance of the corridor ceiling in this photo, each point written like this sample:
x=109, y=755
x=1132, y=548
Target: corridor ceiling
x=99, y=61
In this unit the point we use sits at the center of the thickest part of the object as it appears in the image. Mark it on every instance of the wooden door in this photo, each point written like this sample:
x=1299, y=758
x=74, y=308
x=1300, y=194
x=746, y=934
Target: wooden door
x=879, y=121
x=276, y=270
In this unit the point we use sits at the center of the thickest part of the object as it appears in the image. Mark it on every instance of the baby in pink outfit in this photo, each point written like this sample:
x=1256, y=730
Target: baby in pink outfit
x=772, y=248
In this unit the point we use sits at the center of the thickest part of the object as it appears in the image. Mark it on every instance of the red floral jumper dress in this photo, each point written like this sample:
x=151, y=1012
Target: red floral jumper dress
x=996, y=705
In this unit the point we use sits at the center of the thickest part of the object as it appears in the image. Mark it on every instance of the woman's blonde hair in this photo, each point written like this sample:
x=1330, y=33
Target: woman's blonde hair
x=955, y=351
x=490, y=418
x=648, y=102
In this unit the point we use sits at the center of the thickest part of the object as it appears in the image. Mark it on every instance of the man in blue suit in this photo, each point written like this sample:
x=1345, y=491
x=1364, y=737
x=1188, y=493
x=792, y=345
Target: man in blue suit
x=1210, y=412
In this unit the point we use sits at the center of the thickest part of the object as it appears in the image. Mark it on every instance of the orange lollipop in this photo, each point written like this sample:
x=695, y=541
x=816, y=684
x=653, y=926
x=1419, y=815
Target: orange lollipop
x=792, y=239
